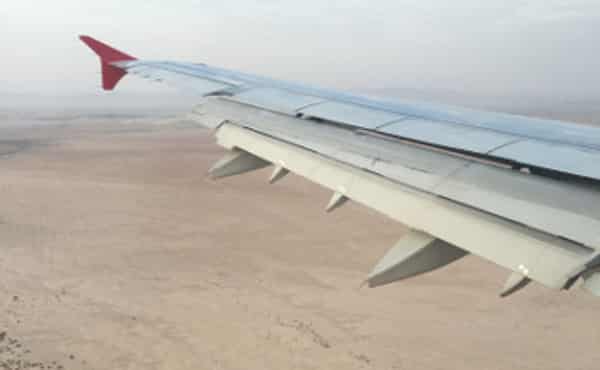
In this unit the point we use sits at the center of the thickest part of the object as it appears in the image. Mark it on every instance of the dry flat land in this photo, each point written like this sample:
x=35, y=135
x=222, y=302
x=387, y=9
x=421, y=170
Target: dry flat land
x=118, y=253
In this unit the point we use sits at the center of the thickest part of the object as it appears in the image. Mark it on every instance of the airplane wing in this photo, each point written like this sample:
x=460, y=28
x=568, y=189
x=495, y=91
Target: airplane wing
x=523, y=193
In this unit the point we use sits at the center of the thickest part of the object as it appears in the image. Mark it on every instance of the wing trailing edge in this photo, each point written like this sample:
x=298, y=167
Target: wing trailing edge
x=111, y=74
x=457, y=229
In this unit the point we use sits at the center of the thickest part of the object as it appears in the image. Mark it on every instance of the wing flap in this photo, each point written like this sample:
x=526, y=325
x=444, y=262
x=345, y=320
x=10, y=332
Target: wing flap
x=544, y=258
x=351, y=115
x=449, y=135
x=570, y=211
x=583, y=162
x=276, y=100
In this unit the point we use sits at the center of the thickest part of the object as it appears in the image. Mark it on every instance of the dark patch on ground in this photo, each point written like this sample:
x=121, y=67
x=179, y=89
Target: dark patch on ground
x=15, y=355
x=11, y=147
x=307, y=329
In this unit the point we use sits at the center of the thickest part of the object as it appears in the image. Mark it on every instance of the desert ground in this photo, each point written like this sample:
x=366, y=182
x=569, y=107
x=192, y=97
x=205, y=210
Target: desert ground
x=119, y=253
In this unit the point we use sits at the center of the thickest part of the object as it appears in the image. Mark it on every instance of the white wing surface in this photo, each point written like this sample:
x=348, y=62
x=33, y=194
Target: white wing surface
x=521, y=192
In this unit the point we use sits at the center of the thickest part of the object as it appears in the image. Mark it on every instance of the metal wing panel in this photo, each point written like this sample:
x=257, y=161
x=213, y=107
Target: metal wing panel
x=514, y=125
x=197, y=85
x=526, y=127
x=568, y=210
x=415, y=166
x=572, y=212
x=276, y=99
x=575, y=160
x=349, y=114
x=444, y=125
x=448, y=135
x=546, y=259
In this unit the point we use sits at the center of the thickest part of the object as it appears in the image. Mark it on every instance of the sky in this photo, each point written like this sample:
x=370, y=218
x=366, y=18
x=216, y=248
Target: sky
x=508, y=47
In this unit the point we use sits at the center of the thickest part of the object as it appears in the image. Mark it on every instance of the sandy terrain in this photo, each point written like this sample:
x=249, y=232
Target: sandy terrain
x=118, y=253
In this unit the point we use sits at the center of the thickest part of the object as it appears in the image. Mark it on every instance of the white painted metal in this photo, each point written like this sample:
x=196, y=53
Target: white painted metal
x=449, y=135
x=416, y=253
x=558, y=208
x=275, y=99
x=278, y=173
x=553, y=206
x=200, y=86
x=547, y=259
x=337, y=200
x=559, y=157
x=515, y=282
x=543, y=226
x=351, y=114
x=369, y=113
x=236, y=162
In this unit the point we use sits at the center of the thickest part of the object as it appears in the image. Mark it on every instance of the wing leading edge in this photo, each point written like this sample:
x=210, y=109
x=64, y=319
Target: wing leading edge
x=520, y=192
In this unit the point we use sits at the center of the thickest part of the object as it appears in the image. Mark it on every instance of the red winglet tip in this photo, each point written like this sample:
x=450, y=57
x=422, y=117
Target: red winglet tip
x=111, y=74
x=106, y=53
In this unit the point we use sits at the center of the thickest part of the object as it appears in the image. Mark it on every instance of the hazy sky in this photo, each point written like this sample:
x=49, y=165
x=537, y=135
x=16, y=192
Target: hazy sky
x=547, y=47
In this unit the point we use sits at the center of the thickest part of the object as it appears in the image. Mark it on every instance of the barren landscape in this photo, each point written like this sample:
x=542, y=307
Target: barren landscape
x=119, y=253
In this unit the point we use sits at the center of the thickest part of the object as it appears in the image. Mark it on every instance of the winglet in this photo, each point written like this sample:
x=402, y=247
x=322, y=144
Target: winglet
x=111, y=74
